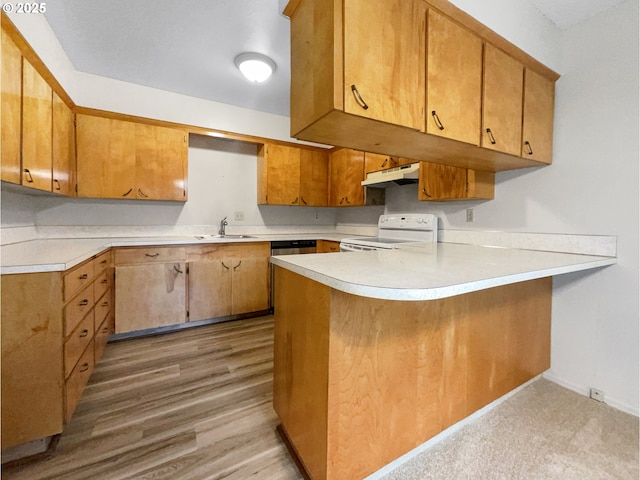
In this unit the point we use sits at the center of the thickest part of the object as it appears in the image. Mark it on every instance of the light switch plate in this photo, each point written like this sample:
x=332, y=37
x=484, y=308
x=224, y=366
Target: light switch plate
x=239, y=215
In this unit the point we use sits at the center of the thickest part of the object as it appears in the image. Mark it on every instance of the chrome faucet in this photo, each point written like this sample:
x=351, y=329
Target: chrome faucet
x=223, y=224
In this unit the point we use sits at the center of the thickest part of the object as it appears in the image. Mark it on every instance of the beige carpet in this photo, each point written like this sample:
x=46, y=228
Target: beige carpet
x=543, y=432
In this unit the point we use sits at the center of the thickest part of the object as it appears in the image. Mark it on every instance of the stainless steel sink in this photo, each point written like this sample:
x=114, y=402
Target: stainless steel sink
x=204, y=237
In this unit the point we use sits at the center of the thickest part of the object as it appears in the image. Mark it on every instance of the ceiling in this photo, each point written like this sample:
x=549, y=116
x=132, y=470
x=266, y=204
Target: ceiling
x=188, y=46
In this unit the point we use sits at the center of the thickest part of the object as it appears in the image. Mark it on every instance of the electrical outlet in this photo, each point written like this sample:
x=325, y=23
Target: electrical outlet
x=597, y=395
x=239, y=215
x=470, y=216
x=317, y=216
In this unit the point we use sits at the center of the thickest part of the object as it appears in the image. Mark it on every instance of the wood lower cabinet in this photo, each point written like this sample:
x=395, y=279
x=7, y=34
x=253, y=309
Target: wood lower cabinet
x=537, y=123
x=49, y=346
x=119, y=159
x=327, y=246
x=150, y=288
x=292, y=176
x=444, y=182
x=11, y=118
x=228, y=280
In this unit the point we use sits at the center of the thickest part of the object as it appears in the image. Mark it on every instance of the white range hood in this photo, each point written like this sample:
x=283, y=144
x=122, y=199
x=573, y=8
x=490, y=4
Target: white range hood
x=401, y=175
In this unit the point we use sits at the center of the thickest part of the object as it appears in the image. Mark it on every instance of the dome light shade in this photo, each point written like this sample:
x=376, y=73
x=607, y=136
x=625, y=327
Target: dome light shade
x=255, y=66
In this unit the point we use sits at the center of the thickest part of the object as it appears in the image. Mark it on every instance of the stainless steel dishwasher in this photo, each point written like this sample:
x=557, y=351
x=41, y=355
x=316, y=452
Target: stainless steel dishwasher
x=288, y=247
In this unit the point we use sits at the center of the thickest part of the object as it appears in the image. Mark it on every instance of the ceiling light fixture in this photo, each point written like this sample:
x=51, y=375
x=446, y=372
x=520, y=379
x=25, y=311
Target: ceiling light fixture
x=255, y=66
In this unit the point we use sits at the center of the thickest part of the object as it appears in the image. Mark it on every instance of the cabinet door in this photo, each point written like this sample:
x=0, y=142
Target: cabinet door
x=282, y=166
x=209, y=289
x=384, y=43
x=374, y=162
x=502, y=101
x=11, y=118
x=36, y=129
x=161, y=163
x=314, y=178
x=106, y=157
x=148, y=296
x=346, y=170
x=250, y=290
x=64, y=147
x=454, y=80
x=537, y=124
x=441, y=182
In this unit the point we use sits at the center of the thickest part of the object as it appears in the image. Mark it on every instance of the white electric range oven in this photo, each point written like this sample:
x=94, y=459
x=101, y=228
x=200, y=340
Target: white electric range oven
x=394, y=230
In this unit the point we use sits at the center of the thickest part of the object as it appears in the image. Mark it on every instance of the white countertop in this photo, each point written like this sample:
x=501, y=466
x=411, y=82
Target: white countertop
x=434, y=271
x=52, y=255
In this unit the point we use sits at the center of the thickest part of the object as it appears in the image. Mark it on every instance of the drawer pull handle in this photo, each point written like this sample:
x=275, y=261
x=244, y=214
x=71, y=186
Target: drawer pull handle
x=347, y=200
x=491, y=138
x=224, y=266
x=303, y=200
x=295, y=202
x=104, y=304
x=29, y=177
x=358, y=98
x=143, y=194
x=529, y=149
x=103, y=262
x=104, y=280
x=55, y=180
x=437, y=120
x=84, y=276
x=105, y=330
x=84, y=333
x=128, y=192
x=84, y=368
x=341, y=201
x=424, y=191
x=152, y=255
x=238, y=265
x=83, y=303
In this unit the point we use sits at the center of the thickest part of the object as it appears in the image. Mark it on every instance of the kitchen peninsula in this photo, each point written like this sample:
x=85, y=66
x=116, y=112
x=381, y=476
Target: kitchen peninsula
x=376, y=352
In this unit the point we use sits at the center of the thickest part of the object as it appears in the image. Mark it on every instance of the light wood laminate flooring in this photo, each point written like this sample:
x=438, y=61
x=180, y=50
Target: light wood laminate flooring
x=190, y=405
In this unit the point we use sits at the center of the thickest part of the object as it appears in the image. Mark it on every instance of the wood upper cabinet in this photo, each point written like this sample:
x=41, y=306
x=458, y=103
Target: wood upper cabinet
x=537, y=122
x=36, y=129
x=11, y=118
x=228, y=280
x=346, y=170
x=384, y=43
x=64, y=147
x=292, y=176
x=161, y=163
x=501, y=101
x=120, y=159
x=454, y=80
x=374, y=162
x=444, y=182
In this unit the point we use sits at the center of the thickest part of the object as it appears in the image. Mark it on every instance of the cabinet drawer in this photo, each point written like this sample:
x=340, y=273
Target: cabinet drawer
x=103, y=308
x=77, y=343
x=104, y=331
x=102, y=261
x=77, y=308
x=102, y=283
x=78, y=380
x=77, y=278
x=149, y=255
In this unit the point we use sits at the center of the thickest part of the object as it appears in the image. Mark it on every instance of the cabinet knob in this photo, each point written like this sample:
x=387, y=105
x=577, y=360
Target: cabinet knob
x=437, y=120
x=358, y=98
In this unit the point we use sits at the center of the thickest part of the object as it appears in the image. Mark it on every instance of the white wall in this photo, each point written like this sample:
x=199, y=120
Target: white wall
x=591, y=188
